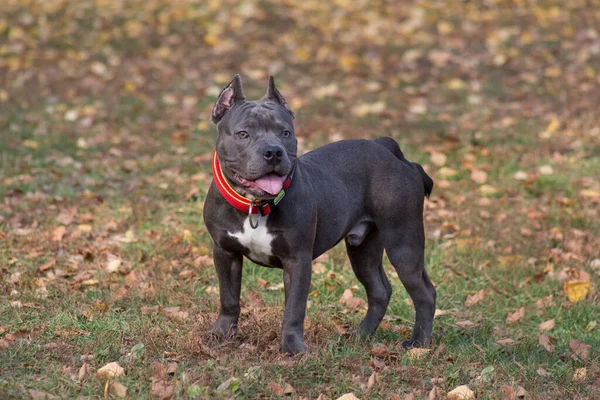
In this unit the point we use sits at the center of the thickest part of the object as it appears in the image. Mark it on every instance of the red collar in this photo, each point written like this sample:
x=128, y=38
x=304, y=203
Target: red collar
x=265, y=207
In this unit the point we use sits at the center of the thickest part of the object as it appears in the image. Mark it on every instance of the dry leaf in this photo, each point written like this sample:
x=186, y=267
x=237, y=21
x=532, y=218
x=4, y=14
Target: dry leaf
x=511, y=318
x=576, y=290
x=117, y=390
x=506, y=342
x=372, y=380
x=543, y=373
x=176, y=313
x=464, y=324
x=110, y=370
x=546, y=326
x=580, y=349
x=545, y=341
x=508, y=392
x=39, y=395
x=438, y=159
x=590, y=193
x=434, y=394
x=580, y=374
x=461, y=393
x=58, y=233
x=113, y=265
x=380, y=350
x=417, y=353
x=162, y=389
x=475, y=298
x=84, y=371
x=339, y=328
x=318, y=268
x=479, y=176
x=348, y=396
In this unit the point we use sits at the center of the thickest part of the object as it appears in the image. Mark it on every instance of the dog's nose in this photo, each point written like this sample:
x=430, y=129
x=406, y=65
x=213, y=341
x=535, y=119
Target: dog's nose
x=272, y=153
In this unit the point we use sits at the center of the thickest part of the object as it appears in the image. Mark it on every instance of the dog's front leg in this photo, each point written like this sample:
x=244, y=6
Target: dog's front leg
x=296, y=278
x=229, y=272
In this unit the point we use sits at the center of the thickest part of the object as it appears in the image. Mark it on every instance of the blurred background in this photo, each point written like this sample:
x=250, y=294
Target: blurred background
x=106, y=139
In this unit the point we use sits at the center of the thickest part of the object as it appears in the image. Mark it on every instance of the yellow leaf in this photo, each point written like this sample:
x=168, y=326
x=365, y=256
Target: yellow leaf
x=580, y=375
x=456, y=84
x=85, y=228
x=576, y=290
x=590, y=193
x=461, y=393
x=32, y=144
x=110, y=370
x=417, y=353
x=553, y=126
x=444, y=27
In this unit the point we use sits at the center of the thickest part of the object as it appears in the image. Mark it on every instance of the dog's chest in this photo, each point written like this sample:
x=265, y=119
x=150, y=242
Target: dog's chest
x=258, y=241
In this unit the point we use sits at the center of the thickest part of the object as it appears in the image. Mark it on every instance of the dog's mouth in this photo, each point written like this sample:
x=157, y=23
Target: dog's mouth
x=271, y=183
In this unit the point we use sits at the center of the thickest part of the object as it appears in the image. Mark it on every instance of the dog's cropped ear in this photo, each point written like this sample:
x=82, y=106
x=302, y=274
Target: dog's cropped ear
x=274, y=95
x=233, y=93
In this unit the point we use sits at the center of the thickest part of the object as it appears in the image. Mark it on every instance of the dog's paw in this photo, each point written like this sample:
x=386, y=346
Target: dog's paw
x=223, y=329
x=408, y=344
x=293, y=345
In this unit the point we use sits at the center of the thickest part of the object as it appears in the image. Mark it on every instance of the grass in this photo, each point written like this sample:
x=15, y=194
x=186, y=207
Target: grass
x=118, y=155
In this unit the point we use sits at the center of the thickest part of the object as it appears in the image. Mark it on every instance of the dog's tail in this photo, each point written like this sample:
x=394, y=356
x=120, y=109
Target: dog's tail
x=393, y=146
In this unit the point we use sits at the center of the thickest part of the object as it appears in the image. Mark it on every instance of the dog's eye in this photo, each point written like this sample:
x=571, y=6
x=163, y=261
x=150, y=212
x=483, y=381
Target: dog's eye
x=243, y=135
x=286, y=134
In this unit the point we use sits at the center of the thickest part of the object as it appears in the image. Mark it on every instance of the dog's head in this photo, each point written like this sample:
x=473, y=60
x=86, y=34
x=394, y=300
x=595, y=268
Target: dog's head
x=256, y=144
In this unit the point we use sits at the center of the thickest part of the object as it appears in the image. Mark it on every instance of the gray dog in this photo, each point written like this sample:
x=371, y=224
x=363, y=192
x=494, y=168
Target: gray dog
x=283, y=211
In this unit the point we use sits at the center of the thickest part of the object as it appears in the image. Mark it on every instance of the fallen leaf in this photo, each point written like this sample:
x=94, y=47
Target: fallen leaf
x=175, y=313
x=58, y=233
x=475, y=298
x=576, y=290
x=417, y=353
x=508, y=392
x=348, y=396
x=521, y=175
x=506, y=342
x=380, y=350
x=47, y=266
x=580, y=349
x=438, y=159
x=545, y=341
x=589, y=193
x=39, y=395
x=461, y=393
x=479, y=176
x=546, y=170
x=339, y=328
x=229, y=382
x=84, y=371
x=372, y=380
x=117, y=390
x=318, y=268
x=543, y=373
x=113, y=263
x=464, y=324
x=109, y=371
x=546, y=326
x=434, y=393
x=162, y=389
x=580, y=374
x=513, y=317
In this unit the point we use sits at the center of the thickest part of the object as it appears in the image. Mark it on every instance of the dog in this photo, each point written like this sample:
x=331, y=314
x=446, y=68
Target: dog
x=282, y=211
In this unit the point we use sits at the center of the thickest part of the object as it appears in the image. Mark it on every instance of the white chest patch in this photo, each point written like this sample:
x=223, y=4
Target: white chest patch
x=258, y=240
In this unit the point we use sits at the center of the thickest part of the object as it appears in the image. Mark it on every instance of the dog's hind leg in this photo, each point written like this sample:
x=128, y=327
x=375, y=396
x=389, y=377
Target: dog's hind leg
x=405, y=249
x=366, y=257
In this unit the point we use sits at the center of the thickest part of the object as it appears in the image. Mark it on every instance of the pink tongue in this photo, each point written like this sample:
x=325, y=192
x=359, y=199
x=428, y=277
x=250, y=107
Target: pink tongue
x=271, y=183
